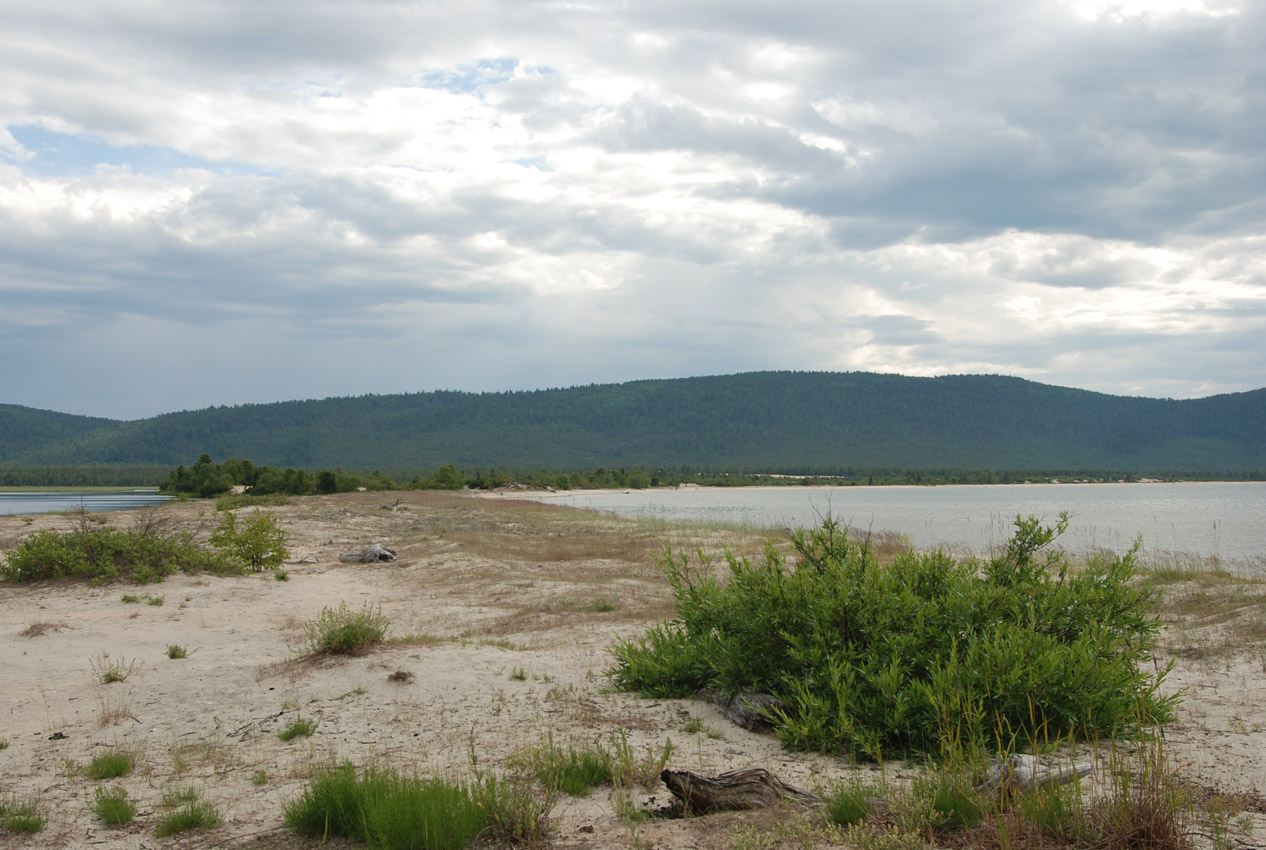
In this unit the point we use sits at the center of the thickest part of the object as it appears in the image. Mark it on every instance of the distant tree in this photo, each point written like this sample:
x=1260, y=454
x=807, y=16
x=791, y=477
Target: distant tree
x=326, y=482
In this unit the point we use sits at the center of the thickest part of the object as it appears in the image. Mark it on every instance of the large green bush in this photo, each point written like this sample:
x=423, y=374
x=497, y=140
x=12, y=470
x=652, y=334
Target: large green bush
x=925, y=655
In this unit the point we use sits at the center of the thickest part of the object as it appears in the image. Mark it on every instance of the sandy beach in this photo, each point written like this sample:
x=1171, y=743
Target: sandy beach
x=501, y=611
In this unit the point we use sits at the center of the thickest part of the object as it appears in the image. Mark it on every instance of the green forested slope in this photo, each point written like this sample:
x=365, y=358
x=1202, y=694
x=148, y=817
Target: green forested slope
x=773, y=421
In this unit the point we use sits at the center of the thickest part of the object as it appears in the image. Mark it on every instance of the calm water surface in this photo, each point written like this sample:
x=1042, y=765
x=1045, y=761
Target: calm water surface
x=41, y=503
x=1207, y=519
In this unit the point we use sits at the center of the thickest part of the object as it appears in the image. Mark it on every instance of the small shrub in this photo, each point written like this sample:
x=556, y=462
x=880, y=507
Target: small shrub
x=175, y=651
x=111, y=764
x=110, y=671
x=259, y=778
x=156, y=601
x=281, y=575
x=113, y=806
x=344, y=631
x=131, y=598
x=258, y=545
x=297, y=727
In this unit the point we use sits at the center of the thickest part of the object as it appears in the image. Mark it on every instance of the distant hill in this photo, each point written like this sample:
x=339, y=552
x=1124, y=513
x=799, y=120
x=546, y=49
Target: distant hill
x=768, y=421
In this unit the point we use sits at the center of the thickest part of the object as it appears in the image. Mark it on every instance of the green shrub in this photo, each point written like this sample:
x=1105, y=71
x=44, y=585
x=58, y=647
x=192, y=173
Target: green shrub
x=342, y=630
x=249, y=500
x=111, y=764
x=113, y=806
x=176, y=651
x=259, y=544
x=387, y=810
x=917, y=656
x=104, y=554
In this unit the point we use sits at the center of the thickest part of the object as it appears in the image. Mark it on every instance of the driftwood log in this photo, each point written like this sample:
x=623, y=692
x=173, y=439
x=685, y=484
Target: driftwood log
x=1021, y=772
x=745, y=708
x=745, y=788
x=372, y=555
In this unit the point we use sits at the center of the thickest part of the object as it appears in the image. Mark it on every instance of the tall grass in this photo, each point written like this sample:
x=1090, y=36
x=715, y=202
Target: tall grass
x=916, y=656
x=386, y=809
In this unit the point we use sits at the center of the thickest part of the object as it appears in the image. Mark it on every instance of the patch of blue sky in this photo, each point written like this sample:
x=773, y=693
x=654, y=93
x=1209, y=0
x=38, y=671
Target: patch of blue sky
x=540, y=163
x=469, y=78
x=54, y=154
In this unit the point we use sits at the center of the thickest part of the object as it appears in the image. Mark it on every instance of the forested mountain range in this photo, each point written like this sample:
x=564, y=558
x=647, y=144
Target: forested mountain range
x=797, y=422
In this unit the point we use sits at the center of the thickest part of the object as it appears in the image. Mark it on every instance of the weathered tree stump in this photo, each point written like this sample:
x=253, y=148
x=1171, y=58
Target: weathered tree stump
x=735, y=790
x=1021, y=772
x=372, y=555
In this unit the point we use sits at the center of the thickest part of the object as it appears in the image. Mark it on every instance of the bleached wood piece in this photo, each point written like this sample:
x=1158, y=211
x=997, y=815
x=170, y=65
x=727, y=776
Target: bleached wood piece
x=372, y=555
x=1022, y=772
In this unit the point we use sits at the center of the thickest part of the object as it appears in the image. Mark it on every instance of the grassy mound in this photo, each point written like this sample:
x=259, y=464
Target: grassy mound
x=922, y=656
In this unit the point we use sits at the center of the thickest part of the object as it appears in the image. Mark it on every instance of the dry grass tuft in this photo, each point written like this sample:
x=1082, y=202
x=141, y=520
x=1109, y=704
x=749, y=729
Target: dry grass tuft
x=37, y=629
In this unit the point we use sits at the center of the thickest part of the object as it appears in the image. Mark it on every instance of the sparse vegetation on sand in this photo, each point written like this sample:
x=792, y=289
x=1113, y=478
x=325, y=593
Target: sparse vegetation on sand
x=915, y=656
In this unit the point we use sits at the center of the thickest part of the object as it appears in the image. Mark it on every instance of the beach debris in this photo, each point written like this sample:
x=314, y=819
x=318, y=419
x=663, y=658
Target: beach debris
x=373, y=554
x=734, y=790
x=393, y=508
x=744, y=708
x=1022, y=772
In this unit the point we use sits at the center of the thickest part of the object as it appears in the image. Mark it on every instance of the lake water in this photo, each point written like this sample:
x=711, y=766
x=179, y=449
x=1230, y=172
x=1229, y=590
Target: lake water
x=1227, y=521
x=42, y=503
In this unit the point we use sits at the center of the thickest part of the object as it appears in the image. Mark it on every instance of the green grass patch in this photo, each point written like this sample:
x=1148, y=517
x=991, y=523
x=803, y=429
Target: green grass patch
x=913, y=656
x=113, y=806
x=111, y=764
x=176, y=651
x=852, y=802
x=190, y=811
x=21, y=816
x=298, y=727
x=572, y=771
x=388, y=810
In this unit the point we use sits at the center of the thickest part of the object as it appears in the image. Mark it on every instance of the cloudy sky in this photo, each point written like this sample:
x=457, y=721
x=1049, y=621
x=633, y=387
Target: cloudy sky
x=221, y=201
